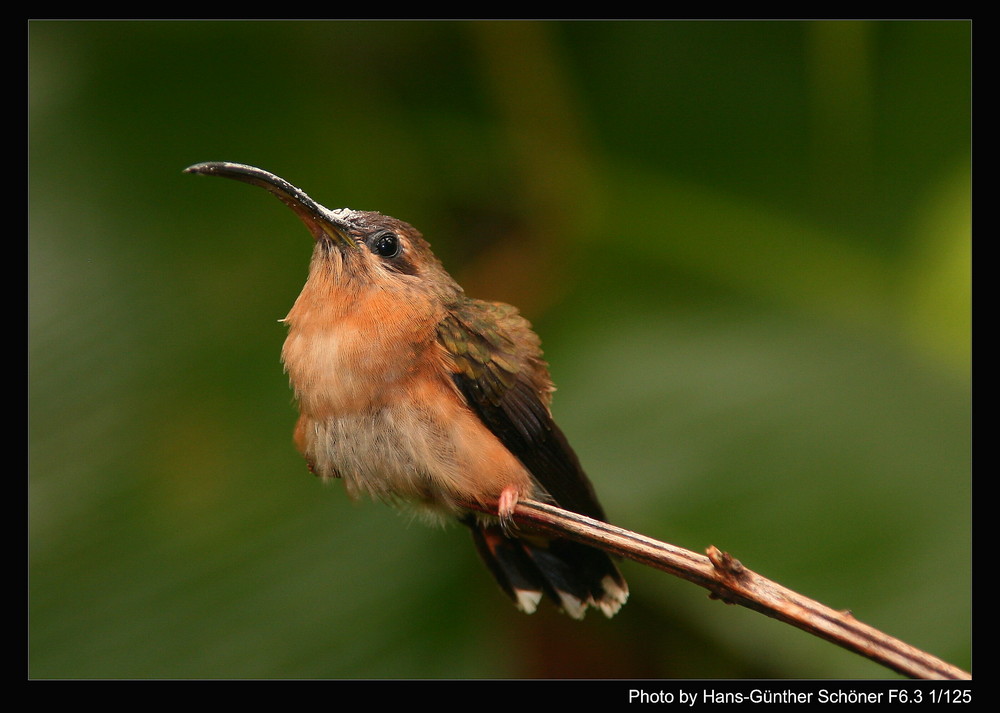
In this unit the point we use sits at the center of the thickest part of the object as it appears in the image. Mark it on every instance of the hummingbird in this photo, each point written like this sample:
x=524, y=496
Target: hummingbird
x=413, y=393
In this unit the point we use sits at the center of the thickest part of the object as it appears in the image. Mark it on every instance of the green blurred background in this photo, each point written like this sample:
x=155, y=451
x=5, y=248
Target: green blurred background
x=746, y=245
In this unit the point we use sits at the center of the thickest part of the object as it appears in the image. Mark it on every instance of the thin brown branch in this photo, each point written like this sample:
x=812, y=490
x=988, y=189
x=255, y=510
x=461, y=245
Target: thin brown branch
x=727, y=579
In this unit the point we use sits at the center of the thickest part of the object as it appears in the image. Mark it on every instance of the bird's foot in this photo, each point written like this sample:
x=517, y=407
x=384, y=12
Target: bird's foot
x=506, y=504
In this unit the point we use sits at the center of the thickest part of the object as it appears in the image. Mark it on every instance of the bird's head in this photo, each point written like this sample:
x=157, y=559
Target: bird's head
x=363, y=248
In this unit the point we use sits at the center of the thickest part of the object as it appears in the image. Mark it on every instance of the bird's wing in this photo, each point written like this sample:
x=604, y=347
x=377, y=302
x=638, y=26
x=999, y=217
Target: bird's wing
x=500, y=371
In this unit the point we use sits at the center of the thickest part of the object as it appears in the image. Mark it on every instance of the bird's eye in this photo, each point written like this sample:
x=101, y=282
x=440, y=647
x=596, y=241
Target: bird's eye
x=385, y=243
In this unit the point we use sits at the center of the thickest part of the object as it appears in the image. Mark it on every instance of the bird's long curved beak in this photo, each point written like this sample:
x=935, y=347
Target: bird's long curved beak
x=322, y=222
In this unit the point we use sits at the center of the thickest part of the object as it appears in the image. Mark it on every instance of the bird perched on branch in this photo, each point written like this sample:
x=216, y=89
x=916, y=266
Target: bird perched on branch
x=410, y=391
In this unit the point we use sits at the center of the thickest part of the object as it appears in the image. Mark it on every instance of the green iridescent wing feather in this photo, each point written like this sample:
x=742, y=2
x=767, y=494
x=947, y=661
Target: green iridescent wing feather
x=499, y=370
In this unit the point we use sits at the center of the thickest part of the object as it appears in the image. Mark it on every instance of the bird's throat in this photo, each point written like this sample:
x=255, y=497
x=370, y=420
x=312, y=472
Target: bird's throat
x=353, y=347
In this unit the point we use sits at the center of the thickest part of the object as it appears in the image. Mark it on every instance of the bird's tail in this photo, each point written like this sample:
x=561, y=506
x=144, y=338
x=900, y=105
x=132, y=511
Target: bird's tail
x=528, y=567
